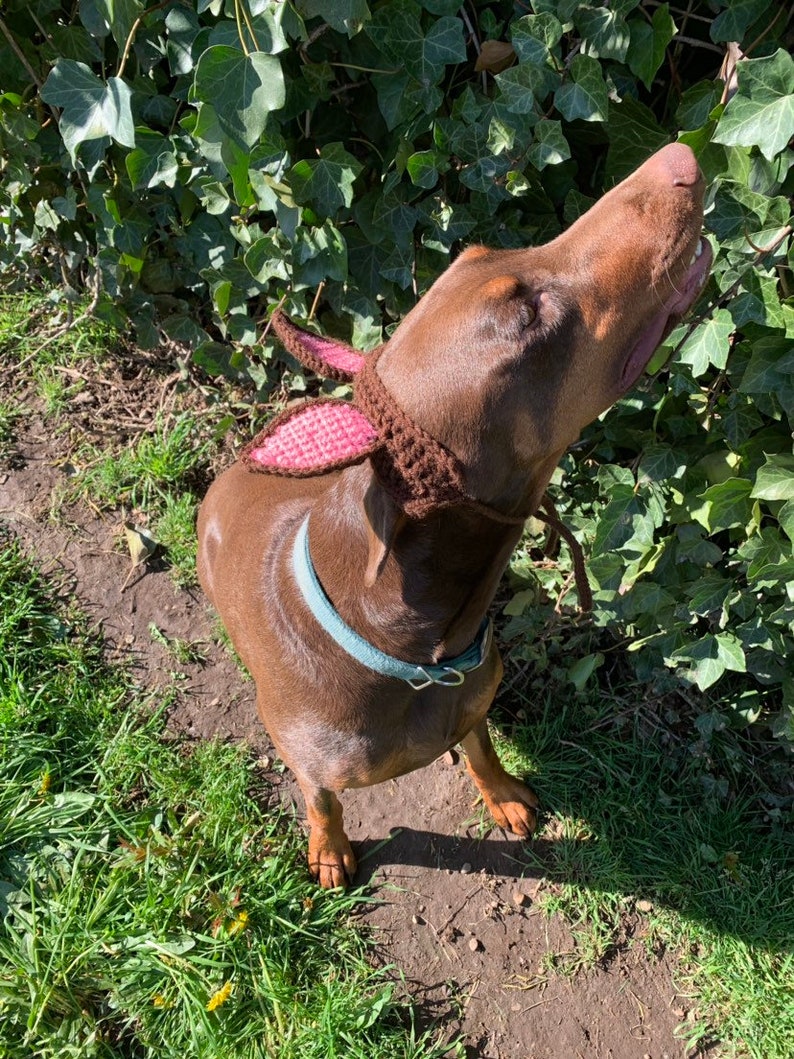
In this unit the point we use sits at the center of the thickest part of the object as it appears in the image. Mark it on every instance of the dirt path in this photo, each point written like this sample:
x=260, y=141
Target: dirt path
x=458, y=915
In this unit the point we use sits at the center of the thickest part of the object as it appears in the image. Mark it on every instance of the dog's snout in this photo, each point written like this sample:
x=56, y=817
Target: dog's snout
x=676, y=162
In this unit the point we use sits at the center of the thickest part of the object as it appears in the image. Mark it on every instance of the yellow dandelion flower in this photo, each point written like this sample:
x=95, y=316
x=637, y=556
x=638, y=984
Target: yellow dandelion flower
x=159, y=1000
x=220, y=997
x=239, y=923
x=46, y=782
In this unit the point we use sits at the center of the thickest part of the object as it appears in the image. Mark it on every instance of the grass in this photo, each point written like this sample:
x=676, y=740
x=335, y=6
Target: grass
x=158, y=474
x=147, y=473
x=148, y=906
x=9, y=415
x=32, y=326
x=684, y=827
x=154, y=475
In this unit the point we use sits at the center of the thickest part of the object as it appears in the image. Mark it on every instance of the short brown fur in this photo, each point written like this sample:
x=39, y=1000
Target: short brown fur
x=503, y=361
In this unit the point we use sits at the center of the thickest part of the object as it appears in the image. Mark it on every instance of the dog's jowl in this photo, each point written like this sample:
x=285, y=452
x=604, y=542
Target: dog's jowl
x=354, y=549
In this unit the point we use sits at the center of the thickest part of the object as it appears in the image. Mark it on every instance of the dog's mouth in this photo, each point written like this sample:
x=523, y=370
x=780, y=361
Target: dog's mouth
x=660, y=326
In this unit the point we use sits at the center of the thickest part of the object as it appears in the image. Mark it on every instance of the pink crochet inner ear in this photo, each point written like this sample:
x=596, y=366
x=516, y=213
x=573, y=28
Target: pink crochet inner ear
x=336, y=354
x=318, y=435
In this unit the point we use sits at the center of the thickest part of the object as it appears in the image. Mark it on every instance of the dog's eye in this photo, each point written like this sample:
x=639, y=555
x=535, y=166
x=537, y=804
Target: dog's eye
x=529, y=314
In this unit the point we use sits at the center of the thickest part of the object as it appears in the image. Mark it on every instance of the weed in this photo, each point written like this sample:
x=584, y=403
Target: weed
x=33, y=324
x=175, y=530
x=156, y=476
x=143, y=475
x=183, y=651
x=53, y=391
x=9, y=416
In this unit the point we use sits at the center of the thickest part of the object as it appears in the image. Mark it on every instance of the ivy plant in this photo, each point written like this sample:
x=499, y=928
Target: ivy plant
x=197, y=163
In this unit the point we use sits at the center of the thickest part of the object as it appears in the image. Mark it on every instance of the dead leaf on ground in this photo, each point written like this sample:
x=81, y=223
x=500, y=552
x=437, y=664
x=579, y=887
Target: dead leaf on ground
x=141, y=545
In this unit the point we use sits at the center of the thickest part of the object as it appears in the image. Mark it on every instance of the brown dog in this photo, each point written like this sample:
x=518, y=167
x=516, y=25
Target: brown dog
x=458, y=423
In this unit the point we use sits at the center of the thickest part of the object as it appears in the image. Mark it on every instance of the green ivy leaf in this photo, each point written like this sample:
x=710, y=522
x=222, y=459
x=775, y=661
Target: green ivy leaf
x=318, y=254
x=759, y=303
x=396, y=30
x=734, y=21
x=660, y=462
x=627, y=522
x=533, y=37
x=325, y=183
x=242, y=90
x=775, y=479
x=550, y=146
x=709, y=593
x=761, y=114
x=580, y=671
x=634, y=134
x=712, y=655
x=709, y=344
x=727, y=504
x=770, y=367
x=697, y=104
x=786, y=519
x=346, y=16
x=45, y=216
x=585, y=95
x=213, y=194
x=604, y=31
x=268, y=257
x=183, y=28
x=424, y=167
x=90, y=109
x=649, y=43
x=152, y=162
x=111, y=16
x=523, y=87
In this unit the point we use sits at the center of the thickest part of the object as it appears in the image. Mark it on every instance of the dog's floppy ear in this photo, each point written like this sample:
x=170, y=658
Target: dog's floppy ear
x=384, y=521
x=311, y=438
x=508, y=305
x=324, y=356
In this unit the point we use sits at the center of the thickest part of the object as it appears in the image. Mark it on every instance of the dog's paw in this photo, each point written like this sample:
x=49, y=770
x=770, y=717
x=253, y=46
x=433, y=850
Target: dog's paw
x=332, y=864
x=513, y=806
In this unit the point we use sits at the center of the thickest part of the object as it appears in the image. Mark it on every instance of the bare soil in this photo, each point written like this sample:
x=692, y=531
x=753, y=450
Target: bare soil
x=457, y=917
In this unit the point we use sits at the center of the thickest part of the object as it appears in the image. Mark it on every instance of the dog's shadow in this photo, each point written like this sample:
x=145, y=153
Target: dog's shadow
x=496, y=854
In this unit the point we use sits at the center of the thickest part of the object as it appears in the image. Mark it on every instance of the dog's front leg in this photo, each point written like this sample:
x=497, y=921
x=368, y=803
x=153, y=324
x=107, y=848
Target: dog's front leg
x=331, y=858
x=511, y=803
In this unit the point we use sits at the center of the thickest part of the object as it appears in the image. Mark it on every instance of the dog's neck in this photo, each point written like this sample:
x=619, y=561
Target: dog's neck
x=416, y=588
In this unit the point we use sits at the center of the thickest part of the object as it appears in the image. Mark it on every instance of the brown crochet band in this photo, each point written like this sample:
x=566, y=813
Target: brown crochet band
x=321, y=435
x=327, y=434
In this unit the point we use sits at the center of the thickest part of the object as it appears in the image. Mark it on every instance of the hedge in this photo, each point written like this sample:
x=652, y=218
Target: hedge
x=194, y=164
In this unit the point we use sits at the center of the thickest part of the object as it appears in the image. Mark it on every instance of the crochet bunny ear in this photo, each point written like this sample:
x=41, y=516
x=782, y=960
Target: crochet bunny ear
x=324, y=356
x=313, y=437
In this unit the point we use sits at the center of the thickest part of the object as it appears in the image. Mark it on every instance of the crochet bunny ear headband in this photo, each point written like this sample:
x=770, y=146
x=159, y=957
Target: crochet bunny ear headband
x=325, y=434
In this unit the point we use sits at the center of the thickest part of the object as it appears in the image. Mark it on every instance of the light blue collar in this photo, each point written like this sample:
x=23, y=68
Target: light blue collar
x=449, y=673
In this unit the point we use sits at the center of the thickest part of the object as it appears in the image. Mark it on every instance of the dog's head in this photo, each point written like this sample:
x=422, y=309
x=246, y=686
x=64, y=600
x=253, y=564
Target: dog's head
x=512, y=352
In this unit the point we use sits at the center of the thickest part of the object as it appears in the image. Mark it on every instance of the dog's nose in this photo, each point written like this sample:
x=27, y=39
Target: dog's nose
x=676, y=162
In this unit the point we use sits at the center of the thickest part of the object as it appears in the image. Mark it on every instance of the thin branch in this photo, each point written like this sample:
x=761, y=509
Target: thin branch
x=70, y=324
x=134, y=30
x=20, y=55
x=681, y=39
x=240, y=34
x=250, y=27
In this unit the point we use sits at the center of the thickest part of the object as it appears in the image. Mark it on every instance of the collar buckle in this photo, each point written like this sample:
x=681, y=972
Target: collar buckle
x=448, y=678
